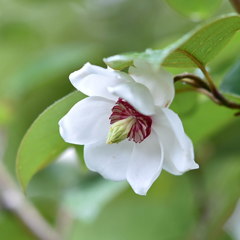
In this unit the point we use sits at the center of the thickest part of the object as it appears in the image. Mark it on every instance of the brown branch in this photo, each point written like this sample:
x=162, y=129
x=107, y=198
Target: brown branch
x=237, y=114
x=236, y=5
x=218, y=95
x=12, y=199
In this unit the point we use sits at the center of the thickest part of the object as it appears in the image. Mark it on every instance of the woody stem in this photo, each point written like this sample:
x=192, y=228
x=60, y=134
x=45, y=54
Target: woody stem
x=208, y=88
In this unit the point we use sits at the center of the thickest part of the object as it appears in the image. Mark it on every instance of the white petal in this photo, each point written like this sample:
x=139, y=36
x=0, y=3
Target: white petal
x=146, y=164
x=177, y=147
x=159, y=82
x=87, y=121
x=93, y=80
x=110, y=160
x=137, y=95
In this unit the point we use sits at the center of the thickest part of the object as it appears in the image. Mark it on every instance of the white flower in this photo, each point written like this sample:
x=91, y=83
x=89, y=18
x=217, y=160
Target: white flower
x=125, y=124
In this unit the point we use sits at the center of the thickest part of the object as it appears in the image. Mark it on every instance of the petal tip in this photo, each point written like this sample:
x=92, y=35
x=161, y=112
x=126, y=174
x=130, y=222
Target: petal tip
x=63, y=131
x=79, y=72
x=73, y=75
x=195, y=166
x=140, y=191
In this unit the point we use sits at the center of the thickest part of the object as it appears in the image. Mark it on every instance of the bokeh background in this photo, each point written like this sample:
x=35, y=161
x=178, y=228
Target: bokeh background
x=41, y=43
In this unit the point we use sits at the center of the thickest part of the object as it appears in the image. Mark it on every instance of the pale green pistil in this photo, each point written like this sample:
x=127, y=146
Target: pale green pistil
x=120, y=130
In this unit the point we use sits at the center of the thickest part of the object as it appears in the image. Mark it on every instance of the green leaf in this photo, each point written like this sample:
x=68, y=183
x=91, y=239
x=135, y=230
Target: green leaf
x=231, y=82
x=195, y=9
x=42, y=142
x=122, y=61
x=125, y=60
x=194, y=49
x=205, y=43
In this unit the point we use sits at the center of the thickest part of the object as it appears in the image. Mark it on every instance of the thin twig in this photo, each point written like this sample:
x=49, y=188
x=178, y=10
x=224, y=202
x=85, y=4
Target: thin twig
x=223, y=101
x=12, y=199
x=200, y=90
x=210, y=95
x=200, y=82
x=215, y=95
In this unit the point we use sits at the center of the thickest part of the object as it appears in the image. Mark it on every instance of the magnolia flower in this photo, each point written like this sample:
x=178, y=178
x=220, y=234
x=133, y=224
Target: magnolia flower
x=126, y=126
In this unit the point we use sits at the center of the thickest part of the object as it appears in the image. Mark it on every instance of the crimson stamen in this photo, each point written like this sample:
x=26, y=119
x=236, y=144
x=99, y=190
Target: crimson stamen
x=141, y=128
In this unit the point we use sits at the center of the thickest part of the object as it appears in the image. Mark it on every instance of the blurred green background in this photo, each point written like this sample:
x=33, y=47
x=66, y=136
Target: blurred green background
x=41, y=43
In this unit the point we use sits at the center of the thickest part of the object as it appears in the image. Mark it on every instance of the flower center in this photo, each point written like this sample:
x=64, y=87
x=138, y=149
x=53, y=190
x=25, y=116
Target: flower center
x=127, y=122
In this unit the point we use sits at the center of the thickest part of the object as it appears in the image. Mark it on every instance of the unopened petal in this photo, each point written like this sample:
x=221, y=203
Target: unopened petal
x=94, y=80
x=159, y=82
x=145, y=165
x=109, y=160
x=87, y=121
x=137, y=95
x=178, y=148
